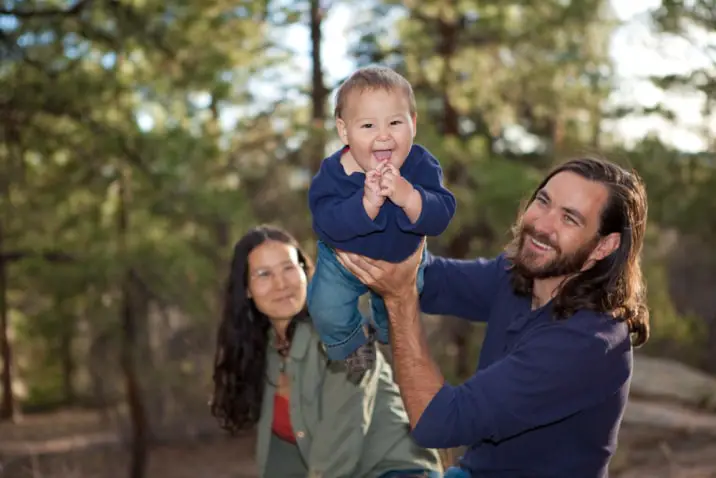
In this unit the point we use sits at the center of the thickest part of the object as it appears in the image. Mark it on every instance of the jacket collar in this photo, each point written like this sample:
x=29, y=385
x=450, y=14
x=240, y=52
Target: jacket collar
x=299, y=343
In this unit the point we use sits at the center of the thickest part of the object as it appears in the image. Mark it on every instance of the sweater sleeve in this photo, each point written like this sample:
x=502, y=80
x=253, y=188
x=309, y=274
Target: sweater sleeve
x=438, y=202
x=339, y=215
x=461, y=287
x=559, y=371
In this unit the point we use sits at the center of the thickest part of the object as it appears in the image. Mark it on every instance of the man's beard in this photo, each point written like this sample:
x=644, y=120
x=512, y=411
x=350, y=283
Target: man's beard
x=562, y=265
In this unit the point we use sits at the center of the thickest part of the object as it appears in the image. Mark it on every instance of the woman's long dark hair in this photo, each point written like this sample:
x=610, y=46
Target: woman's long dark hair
x=614, y=285
x=242, y=339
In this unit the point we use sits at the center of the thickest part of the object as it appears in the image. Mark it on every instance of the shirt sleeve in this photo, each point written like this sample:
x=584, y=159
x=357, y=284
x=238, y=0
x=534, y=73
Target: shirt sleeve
x=557, y=372
x=463, y=288
x=346, y=415
x=338, y=217
x=438, y=203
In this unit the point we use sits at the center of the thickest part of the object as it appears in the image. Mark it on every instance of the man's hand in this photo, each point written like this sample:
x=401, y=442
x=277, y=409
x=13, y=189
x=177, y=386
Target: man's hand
x=390, y=280
x=416, y=373
x=394, y=186
x=372, y=198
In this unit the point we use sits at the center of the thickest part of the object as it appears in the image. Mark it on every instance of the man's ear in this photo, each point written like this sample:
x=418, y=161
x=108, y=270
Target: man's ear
x=342, y=130
x=606, y=246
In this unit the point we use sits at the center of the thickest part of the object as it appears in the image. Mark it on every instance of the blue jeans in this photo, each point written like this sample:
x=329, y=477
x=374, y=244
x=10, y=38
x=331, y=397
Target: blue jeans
x=452, y=472
x=456, y=472
x=333, y=305
x=411, y=474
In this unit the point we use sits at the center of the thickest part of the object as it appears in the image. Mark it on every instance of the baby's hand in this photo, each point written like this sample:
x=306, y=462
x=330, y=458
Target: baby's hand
x=372, y=198
x=393, y=185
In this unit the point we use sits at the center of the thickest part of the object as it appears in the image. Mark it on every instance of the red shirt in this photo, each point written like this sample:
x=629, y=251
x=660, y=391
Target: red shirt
x=282, y=419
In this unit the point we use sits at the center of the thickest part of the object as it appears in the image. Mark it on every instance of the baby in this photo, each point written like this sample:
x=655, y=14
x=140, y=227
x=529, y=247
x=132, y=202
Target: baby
x=378, y=196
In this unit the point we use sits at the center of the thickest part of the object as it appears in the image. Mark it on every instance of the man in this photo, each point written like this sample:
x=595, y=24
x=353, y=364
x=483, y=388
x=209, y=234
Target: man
x=564, y=305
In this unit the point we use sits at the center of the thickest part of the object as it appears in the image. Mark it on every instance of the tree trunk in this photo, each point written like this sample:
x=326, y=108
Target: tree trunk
x=319, y=93
x=135, y=400
x=67, y=360
x=7, y=409
x=709, y=360
x=221, y=231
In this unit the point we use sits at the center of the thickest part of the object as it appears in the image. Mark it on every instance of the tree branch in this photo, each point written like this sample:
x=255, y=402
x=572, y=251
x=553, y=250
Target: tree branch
x=47, y=12
x=49, y=256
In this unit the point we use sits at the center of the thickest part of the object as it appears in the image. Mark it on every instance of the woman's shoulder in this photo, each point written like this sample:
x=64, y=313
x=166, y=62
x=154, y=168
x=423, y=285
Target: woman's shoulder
x=306, y=337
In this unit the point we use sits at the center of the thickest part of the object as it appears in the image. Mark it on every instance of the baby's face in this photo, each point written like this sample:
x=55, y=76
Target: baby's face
x=378, y=127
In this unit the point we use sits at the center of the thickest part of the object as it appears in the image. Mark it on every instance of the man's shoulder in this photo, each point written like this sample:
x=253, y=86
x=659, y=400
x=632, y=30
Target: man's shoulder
x=599, y=327
x=501, y=265
x=594, y=317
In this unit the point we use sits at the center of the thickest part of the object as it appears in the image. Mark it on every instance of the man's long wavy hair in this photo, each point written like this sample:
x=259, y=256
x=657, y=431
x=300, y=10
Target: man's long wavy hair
x=614, y=285
x=243, y=337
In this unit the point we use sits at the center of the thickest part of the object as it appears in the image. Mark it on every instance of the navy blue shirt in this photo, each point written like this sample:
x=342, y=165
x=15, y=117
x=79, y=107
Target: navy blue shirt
x=340, y=220
x=548, y=396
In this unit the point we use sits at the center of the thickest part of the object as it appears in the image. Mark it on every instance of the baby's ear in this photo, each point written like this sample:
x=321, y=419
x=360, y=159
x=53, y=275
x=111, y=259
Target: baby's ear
x=342, y=130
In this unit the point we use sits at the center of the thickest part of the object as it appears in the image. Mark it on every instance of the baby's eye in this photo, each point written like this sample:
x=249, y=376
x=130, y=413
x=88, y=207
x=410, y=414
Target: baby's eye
x=367, y=125
x=397, y=122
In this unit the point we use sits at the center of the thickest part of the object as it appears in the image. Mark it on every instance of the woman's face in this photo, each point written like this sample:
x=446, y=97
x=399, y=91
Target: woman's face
x=277, y=282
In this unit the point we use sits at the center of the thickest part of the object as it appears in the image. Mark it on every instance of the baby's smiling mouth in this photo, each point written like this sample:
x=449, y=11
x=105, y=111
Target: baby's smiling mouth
x=383, y=154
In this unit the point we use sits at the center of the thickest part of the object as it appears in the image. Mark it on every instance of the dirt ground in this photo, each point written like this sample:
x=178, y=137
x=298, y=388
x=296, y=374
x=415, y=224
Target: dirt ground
x=75, y=444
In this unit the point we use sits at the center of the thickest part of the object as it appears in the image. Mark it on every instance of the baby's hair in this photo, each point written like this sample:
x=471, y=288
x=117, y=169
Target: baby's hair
x=373, y=78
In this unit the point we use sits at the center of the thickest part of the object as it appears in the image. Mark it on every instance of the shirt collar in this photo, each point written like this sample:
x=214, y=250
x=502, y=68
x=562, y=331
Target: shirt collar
x=300, y=341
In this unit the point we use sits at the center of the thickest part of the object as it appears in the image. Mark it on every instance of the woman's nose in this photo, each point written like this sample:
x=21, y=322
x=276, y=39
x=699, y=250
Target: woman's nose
x=279, y=282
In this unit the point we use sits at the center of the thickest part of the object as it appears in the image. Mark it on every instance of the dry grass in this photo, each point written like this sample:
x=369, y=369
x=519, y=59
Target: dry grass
x=77, y=444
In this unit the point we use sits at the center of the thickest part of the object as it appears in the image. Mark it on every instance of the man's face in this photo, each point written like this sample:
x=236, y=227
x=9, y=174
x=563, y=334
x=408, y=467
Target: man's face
x=378, y=127
x=560, y=228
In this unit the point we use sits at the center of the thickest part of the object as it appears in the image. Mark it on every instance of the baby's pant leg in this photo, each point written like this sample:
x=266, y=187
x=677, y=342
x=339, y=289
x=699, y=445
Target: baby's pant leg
x=333, y=295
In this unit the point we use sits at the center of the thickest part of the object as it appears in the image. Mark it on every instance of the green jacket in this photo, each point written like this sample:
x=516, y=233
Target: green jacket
x=342, y=429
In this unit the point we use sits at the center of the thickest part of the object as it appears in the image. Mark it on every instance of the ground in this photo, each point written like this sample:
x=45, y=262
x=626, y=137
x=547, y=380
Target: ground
x=75, y=444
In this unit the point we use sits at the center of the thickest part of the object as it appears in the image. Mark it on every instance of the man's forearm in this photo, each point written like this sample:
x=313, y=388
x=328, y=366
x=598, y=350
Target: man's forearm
x=416, y=373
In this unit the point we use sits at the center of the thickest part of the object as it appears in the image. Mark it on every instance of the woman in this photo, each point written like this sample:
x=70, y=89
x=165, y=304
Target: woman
x=271, y=371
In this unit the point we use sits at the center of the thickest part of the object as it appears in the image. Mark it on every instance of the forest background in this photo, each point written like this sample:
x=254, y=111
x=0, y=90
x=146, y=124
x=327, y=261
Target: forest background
x=139, y=139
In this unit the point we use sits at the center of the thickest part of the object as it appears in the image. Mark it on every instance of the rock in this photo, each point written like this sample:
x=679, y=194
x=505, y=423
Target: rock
x=659, y=378
x=669, y=416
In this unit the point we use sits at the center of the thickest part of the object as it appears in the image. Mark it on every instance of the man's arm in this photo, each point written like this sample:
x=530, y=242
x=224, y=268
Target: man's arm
x=462, y=288
x=557, y=371
x=416, y=373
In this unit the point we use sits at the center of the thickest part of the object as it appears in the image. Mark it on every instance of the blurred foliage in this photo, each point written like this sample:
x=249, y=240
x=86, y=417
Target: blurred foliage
x=163, y=98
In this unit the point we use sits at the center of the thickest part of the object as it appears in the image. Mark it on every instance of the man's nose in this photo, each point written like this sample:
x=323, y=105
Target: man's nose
x=546, y=224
